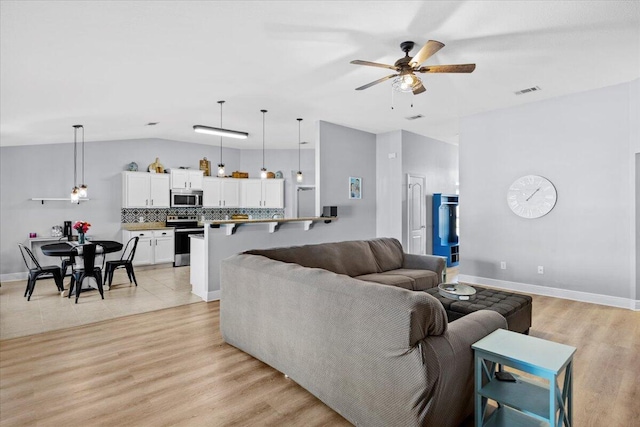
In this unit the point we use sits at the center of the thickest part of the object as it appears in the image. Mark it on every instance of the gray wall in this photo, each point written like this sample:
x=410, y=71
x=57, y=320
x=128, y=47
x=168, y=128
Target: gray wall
x=389, y=220
x=47, y=171
x=438, y=162
x=343, y=152
x=580, y=142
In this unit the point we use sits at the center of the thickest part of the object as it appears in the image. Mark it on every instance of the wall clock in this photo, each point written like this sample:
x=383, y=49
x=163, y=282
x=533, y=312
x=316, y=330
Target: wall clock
x=531, y=196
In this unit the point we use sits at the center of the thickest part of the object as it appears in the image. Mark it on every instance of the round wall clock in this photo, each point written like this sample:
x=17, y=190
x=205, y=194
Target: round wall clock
x=531, y=196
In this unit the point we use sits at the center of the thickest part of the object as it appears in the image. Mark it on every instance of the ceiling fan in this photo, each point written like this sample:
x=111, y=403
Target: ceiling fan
x=406, y=67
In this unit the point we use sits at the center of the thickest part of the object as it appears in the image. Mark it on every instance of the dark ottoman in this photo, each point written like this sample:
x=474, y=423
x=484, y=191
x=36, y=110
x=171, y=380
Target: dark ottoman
x=516, y=308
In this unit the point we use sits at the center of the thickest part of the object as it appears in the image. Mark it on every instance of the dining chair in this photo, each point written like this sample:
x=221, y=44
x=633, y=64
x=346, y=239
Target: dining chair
x=125, y=261
x=89, y=269
x=38, y=272
x=65, y=262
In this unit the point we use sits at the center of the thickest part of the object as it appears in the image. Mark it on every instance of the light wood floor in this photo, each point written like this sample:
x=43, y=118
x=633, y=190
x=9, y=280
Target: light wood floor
x=171, y=367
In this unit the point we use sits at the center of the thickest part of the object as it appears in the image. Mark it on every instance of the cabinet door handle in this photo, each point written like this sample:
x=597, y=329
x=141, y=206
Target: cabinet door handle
x=141, y=234
x=146, y=202
x=185, y=184
x=164, y=234
x=149, y=242
x=224, y=203
x=151, y=202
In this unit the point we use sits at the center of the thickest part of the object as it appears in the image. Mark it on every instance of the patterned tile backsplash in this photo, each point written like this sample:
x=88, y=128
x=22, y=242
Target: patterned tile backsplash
x=210, y=214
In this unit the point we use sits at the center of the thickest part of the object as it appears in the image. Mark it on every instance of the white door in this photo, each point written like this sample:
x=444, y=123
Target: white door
x=164, y=249
x=230, y=193
x=416, y=215
x=251, y=193
x=137, y=190
x=179, y=179
x=158, y=190
x=272, y=193
x=211, y=197
x=195, y=180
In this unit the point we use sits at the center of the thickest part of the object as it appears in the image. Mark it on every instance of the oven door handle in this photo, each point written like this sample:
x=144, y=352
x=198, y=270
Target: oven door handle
x=188, y=230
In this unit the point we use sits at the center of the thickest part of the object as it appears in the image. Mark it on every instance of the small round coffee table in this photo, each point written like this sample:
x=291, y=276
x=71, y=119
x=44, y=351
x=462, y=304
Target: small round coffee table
x=456, y=291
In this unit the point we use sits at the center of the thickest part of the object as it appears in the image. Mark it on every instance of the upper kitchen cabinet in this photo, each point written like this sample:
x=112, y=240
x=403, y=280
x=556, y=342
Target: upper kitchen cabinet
x=220, y=193
x=262, y=193
x=186, y=179
x=145, y=190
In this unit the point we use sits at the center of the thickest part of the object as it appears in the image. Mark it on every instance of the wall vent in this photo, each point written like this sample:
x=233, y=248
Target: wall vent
x=416, y=117
x=527, y=90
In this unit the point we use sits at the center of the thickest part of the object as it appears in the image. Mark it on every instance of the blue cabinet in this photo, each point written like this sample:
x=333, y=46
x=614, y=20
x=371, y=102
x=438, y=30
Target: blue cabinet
x=445, y=227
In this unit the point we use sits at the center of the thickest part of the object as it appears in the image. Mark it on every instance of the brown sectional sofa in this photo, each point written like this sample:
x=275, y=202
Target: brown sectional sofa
x=379, y=260
x=378, y=355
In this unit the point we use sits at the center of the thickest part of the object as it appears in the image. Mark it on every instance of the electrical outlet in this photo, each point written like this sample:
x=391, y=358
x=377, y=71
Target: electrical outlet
x=503, y=265
x=540, y=269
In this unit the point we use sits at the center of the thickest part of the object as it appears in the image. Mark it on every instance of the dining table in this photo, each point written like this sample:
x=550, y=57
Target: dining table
x=73, y=249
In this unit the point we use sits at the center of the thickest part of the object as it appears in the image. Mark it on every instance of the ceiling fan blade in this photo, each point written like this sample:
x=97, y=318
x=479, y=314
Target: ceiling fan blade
x=376, y=82
x=427, y=50
x=460, y=68
x=373, y=64
x=418, y=89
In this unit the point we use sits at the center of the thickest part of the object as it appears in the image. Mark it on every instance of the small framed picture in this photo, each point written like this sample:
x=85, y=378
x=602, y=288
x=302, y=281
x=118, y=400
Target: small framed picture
x=355, y=187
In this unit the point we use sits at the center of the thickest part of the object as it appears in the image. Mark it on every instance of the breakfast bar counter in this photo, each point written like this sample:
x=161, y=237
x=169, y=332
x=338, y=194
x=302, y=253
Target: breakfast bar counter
x=230, y=224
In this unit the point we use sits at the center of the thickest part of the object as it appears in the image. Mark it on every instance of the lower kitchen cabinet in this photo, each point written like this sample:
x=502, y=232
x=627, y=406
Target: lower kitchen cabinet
x=154, y=246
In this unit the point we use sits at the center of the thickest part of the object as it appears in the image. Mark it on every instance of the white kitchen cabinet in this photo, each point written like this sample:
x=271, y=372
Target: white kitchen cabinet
x=221, y=193
x=262, y=193
x=186, y=179
x=145, y=190
x=154, y=246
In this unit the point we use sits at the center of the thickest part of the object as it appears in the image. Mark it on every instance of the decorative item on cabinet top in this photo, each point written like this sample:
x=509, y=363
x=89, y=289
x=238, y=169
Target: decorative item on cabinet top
x=156, y=167
x=205, y=165
x=132, y=167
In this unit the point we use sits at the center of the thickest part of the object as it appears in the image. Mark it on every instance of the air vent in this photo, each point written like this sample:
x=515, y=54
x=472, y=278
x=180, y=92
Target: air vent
x=527, y=90
x=416, y=117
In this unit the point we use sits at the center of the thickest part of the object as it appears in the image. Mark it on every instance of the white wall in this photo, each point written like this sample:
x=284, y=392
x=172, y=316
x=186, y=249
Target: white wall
x=343, y=152
x=47, y=171
x=437, y=161
x=580, y=142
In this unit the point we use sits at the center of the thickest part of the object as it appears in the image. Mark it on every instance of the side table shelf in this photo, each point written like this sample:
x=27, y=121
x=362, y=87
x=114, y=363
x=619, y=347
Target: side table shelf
x=525, y=402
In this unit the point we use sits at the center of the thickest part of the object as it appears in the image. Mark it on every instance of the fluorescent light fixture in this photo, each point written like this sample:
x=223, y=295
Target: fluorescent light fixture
x=220, y=132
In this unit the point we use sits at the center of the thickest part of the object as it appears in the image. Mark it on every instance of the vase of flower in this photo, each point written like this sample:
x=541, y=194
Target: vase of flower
x=82, y=227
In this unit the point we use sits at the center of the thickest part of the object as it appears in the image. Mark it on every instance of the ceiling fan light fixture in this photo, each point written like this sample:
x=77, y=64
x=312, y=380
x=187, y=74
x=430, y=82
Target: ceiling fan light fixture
x=406, y=82
x=220, y=132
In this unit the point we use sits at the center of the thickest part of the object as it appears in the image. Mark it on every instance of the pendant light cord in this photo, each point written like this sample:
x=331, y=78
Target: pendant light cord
x=83, y=181
x=299, y=141
x=221, y=102
x=263, y=114
x=75, y=156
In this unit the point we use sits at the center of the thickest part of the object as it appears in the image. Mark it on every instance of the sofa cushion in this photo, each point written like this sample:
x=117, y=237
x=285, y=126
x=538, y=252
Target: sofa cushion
x=353, y=258
x=424, y=279
x=389, y=279
x=388, y=253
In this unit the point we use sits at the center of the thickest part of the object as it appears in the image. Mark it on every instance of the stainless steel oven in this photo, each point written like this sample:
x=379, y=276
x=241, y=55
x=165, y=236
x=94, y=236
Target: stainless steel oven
x=184, y=226
x=186, y=198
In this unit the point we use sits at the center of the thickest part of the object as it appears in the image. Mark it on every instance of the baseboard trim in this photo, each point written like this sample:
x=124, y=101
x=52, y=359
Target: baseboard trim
x=213, y=296
x=14, y=277
x=554, y=292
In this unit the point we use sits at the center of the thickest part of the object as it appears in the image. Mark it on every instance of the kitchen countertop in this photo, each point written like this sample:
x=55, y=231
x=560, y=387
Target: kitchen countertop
x=136, y=226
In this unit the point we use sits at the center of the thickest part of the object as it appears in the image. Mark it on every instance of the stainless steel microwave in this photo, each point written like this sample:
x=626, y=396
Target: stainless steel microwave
x=186, y=198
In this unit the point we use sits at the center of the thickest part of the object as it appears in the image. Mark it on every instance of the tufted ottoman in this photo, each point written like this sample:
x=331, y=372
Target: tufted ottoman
x=516, y=308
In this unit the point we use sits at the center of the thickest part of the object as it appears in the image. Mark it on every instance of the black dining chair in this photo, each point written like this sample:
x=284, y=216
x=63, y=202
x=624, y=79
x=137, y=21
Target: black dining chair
x=125, y=261
x=89, y=269
x=65, y=262
x=38, y=272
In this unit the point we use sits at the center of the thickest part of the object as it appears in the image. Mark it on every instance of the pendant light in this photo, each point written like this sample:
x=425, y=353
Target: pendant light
x=299, y=174
x=221, y=165
x=263, y=171
x=83, y=187
x=75, y=191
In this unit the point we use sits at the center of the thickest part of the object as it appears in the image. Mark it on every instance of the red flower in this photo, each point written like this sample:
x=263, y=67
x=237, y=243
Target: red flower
x=81, y=226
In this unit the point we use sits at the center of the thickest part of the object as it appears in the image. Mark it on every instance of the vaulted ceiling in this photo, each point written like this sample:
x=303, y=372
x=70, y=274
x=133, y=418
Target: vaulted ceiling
x=115, y=66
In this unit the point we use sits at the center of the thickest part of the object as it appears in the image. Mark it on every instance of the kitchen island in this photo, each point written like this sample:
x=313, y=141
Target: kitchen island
x=223, y=238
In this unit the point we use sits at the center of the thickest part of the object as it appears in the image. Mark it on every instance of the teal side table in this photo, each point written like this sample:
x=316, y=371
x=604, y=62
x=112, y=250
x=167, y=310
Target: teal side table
x=525, y=402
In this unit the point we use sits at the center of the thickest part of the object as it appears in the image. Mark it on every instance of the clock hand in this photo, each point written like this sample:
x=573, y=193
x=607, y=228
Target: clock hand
x=527, y=199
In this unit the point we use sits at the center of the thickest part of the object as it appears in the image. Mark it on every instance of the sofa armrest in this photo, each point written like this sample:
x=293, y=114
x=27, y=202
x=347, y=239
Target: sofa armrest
x=455, y=365
x=427, y=262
